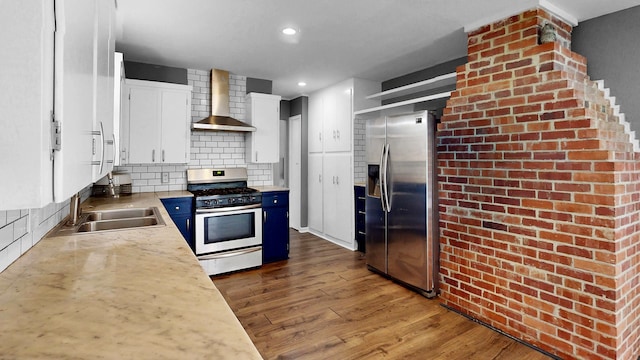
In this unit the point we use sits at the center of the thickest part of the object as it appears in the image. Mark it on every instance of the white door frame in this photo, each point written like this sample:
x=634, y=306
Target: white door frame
x=295, y=170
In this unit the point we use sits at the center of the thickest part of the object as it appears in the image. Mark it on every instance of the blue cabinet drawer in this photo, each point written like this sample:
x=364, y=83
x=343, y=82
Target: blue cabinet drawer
x=275, y=198
x=178, y=206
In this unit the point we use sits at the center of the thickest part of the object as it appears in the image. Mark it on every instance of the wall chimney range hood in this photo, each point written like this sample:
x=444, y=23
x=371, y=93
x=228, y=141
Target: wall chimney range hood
x=220, y=119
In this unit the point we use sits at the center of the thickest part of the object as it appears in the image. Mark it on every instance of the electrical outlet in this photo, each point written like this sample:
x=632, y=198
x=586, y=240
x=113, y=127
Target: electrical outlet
x=165, y=177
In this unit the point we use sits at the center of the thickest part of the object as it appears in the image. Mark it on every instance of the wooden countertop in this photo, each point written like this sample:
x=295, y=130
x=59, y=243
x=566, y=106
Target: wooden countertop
x=127, y=294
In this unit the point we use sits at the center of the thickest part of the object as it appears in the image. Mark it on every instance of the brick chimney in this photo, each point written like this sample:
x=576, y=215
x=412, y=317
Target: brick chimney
x=539, y=190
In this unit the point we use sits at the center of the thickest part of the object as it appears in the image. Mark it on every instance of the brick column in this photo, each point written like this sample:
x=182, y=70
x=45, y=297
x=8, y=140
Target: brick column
x=539, y=196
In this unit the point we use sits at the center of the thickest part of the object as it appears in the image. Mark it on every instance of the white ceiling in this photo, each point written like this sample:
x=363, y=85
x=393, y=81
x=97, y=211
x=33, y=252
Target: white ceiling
x=338, y=39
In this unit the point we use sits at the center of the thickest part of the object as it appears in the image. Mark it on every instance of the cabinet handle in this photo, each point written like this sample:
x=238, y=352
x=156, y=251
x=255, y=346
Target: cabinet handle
x=188, y=224
x=319, y=178
x=334, y=134
x=162, y=155
x=333, y=180
x=338, y=132
x=177, y=207
x=256, y=156
x=153, y=155
x=265, y=216
x=337, y=180
x=320, y=136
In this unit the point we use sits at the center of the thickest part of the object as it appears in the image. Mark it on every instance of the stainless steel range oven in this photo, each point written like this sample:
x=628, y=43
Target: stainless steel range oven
x=228, y=220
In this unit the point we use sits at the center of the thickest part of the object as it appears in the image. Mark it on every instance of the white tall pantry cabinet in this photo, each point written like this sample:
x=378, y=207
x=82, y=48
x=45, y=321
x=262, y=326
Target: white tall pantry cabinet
x=330, y=158
x=50, y=161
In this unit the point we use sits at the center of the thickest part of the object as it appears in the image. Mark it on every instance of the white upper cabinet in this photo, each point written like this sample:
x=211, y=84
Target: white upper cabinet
x=155, y=123
x=26, y=103
x=263, y=112
x=104, y=70
x=337, y=120
x=50, y=160
x=118, y=83
x=83, y=92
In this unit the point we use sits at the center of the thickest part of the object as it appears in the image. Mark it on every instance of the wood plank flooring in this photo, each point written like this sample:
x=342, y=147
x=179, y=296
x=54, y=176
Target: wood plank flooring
x=323, y=303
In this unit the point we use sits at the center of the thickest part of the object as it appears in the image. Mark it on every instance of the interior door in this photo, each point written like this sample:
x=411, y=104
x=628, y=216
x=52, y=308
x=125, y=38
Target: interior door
x=295, y=170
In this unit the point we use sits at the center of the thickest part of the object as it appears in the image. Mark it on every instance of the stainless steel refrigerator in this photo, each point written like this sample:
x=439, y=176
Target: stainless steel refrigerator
x=401, y=211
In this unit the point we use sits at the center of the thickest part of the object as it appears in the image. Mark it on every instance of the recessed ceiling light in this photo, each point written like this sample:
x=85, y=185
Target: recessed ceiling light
x=302, y=83
x=289, y=31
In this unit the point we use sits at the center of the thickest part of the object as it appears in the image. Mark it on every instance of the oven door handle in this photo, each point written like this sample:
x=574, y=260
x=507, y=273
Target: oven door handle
x=229, y=253
x=227, y=209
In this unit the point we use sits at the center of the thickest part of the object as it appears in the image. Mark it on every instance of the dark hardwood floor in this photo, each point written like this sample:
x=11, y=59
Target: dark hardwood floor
x=323, y=303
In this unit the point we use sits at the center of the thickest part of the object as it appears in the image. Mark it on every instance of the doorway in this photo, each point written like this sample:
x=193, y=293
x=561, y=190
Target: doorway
x=295, y=170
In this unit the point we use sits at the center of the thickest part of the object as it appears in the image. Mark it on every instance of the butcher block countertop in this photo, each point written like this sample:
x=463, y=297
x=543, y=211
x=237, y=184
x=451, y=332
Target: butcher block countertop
x=126, y=294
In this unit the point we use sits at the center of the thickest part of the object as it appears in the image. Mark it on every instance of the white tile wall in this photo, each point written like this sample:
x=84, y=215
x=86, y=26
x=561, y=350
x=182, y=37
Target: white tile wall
x=22, y=229
x=359, y=151
x=208, y=148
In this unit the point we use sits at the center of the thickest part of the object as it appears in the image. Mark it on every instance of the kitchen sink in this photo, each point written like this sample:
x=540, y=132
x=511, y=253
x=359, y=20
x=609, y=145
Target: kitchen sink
x=111, y=220
x=121, y=214
x=91, y=226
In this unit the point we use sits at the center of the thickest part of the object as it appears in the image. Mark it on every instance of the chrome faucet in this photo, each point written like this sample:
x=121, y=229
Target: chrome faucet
x=112, y=187
x=74, y=210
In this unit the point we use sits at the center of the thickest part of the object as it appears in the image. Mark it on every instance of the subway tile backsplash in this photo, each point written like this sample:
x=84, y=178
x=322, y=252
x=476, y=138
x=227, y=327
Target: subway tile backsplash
x=22, y=229
x=208, y=148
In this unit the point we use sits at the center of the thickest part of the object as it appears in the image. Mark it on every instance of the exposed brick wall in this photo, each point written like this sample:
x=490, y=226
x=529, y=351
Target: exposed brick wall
x=539, y=197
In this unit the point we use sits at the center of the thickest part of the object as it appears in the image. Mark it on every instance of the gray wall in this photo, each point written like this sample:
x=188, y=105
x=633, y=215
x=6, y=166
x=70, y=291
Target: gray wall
x=611, y=44
x=424, y=74
x=259, y=85
x=142, y=71
x=299, y=106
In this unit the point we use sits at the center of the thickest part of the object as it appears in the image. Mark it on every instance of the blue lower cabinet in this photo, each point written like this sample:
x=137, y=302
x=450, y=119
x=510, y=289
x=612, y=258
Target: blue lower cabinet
x=275, y=229
x=181, y=210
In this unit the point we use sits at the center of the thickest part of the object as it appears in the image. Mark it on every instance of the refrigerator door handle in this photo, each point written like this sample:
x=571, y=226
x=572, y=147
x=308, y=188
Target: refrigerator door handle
x=385, y=186
x=381, y=177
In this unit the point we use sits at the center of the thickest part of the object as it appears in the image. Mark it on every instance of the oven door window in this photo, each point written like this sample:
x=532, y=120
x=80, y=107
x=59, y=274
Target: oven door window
x=229, y=227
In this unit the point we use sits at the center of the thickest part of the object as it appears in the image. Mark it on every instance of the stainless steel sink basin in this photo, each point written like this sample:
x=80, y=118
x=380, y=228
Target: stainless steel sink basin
x=117, y=224
x=111, y=220
x=120, y=214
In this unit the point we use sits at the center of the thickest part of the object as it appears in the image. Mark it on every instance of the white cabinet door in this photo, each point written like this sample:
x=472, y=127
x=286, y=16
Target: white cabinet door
x=155, y=124
x=337, y=118
x=75, y=37
x=176, y=109
x=315, y=192
x=316, y=116
x=144, y=125
x=103, y=129
x=26, y=103
x=338, y=198
x=263, y=112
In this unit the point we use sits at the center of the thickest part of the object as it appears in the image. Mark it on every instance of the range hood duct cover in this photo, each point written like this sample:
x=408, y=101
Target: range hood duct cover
x=220, y=118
